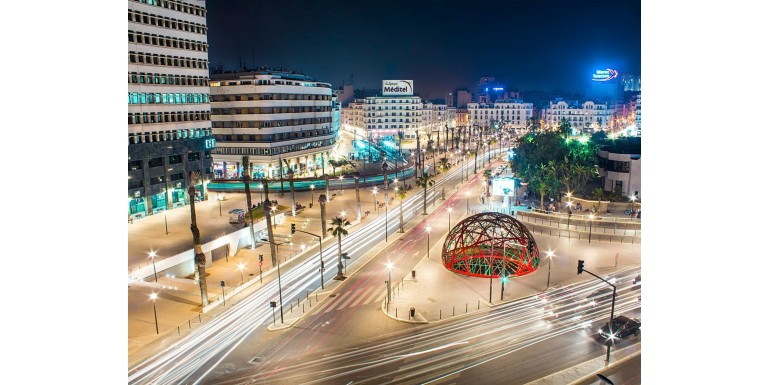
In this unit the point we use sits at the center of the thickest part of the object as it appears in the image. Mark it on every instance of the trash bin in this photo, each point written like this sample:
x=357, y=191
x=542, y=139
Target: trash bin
x=411, y=312
x=414, y=274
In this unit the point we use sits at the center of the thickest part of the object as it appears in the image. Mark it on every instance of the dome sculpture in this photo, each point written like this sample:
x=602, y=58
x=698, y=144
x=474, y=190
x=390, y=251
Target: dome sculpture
x=490, y=244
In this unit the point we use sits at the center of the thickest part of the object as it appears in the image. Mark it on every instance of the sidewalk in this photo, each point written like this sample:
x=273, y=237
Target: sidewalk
x=585, y=373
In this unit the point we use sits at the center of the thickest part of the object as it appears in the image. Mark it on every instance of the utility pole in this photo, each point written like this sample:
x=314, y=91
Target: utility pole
x=612, y=311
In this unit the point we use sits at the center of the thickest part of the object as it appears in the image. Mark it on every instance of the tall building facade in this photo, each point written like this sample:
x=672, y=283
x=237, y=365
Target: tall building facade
x=512, y=113
x=586, y=117
x=169, y=127
x=279, y=119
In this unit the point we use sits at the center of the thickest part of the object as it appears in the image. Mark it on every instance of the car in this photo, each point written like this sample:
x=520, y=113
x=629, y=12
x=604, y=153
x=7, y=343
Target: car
x=638, y=280
x=622, y=327
x=600, y=295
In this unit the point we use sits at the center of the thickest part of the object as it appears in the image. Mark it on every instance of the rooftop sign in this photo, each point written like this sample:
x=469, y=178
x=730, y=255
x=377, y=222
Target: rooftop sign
x=604, y=75
x=397, y=87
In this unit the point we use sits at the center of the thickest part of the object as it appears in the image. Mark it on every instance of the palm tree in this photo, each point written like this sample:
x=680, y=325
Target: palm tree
x=444, y=164
x=401, y=194
x=268, y=221
x=200, y=258
x=338, y=230
x=290, y=175
x=424, y=181
x=487, y=177
x=246, y=179
x=322, y=202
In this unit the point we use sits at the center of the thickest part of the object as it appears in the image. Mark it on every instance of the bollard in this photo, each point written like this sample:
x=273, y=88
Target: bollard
x=311, y=302
x=478, y=306
x=297, y=301
x=178, y=332
x=453, y=310
x=199, y=318
x=189, y=324
x=303, y=308
x=291, y=308
x=411, y=312
x=396, y=313
x=439, y=313
x=466, y=307
x=414, y=274
x=306, y=294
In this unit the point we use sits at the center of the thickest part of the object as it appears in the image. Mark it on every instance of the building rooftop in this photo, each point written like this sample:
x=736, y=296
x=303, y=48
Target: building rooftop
x=628, y=145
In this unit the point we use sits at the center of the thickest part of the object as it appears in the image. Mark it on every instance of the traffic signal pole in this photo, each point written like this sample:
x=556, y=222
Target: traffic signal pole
x=612, y=311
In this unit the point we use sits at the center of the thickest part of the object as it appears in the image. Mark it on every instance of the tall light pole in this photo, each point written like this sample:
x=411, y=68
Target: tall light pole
x=312, y=187
x=240, y=267
x=219, y=198
x=390, y=267
x=467, y=202
x=340, y=189
x=449, y=217
x=569, y=213
x=385, y=179
x=152, y=255
x=590, y=226
x=550, y=257
x=374, y=199
x=427, y=230
x=153, y=297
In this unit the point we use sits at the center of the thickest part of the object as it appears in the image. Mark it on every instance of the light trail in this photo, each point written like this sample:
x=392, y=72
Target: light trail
x=204, y=348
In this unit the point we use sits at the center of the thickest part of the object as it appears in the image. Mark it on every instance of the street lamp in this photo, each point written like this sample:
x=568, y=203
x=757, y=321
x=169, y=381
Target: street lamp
x=467, y=202
x=153, y=297
x=260, y=187
x=240, y=267
x=152, y=255
x=569, y=213
x=340, y=190
x=449, y=217
x=427, y=230
x=219, y=198
x=550, y=257
x=590, y=226
x=312, y=187
x=374, y=199
x=389, y=265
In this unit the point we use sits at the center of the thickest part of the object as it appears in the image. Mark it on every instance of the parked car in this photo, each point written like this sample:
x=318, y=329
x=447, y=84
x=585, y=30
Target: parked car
x=622, y=327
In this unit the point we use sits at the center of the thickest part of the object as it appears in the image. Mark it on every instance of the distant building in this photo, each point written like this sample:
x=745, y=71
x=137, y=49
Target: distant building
x=638, y=111
x=489, y=91
x=169, y=127
x=620, y=167
x=463, y=98
x=512, y=113
x=274, y=117
x=606, y=87
x=345, y=94
x=632, y=83
x=585, y=117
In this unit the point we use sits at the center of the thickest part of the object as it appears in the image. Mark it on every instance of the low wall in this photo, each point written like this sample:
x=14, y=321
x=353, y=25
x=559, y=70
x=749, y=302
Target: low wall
x=601, y=206
x=181, y=264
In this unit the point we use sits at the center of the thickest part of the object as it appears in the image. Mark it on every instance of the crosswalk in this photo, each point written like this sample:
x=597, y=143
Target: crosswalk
x=357, y=297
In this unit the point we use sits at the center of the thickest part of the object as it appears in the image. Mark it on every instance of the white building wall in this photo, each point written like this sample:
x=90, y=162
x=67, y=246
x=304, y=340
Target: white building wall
x=513, y=114
x=589, y=116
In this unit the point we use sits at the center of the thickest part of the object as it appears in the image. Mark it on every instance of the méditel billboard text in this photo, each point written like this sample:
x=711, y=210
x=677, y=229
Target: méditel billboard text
x=397, y=87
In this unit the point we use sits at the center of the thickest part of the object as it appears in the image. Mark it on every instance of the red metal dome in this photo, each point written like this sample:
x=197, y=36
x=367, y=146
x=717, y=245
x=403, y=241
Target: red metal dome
x=489, y=243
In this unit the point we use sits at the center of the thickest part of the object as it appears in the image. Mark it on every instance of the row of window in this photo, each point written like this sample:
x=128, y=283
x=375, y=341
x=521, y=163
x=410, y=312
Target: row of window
x=177, y=80
x=166, y=22
x=134, y=165
x=165, y=98
x=268, y=110
x=379, y=108
x=178, y=6
x=271, y=138
x=167, y=60
x=377, y=101
x=614, y=165
x=273, y=150
x=369, y=127
x=257, y=96
x=268, y=82
x=167, y=117
x=270, y=123
x=162, y=136
x=390, y=120
x=166, y=41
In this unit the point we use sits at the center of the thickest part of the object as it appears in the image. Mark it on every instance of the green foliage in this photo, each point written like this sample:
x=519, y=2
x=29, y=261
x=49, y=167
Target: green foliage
x=338, y=227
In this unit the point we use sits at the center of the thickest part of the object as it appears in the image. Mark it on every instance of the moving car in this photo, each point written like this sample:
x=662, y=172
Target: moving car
x=622, y=326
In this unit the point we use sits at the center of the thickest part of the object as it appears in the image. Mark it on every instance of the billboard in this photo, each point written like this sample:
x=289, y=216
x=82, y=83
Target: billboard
x=397, y=87
x=604, y=75
x=503, y=186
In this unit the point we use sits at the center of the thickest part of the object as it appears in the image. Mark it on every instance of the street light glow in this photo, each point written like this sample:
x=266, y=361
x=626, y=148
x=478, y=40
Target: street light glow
x=153, y=296
x=241, y=266
x=389, y=265
x=427, y=229
x=549, y=253
x=152, y=254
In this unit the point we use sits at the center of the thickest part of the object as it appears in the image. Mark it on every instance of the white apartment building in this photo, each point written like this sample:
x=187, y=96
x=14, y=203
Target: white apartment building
x=274, y=117
x=586, y=117
x=511, y=113
x=169, y=131
x=382, y=116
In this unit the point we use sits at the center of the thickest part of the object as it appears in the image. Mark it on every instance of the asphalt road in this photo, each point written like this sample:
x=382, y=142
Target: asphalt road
x=201, y=352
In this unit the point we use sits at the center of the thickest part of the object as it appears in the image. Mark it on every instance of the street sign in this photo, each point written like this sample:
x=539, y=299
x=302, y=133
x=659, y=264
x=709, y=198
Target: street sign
x=272, y=303
x=222, y=283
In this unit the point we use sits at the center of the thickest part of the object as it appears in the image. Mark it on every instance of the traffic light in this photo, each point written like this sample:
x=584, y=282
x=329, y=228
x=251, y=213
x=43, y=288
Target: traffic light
x=293, y=228
x=580, y=266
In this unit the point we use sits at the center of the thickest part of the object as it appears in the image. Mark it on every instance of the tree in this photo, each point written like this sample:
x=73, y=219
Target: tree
x=246, y=179
x=444, y=164
x=401, y=194
x=200, y=258
x=338, y=163
x=322, y=201
x=290, y=175
x=424, y=181
x=564, y=127
x=338, y=230
x=487, y=177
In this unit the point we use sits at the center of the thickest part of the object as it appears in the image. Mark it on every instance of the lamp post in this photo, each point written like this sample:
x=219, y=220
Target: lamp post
x=240, y=267
x=467, y=202
x=219, y=198
x=590, y=226
x=449, y=217
x=427, y=230
x=503, y=279
x=374, y=200
x=312, y=187
x=340, y=189
x=390, y=267
x=153, y=297
x=152, y=256
x=550, y=257
x=569, y=213
x=260, y=187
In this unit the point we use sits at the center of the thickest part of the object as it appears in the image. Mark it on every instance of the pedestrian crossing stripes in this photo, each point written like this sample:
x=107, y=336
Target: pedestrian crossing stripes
x=357, y=298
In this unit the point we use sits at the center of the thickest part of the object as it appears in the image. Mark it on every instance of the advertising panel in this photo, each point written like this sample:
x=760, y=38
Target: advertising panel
x=397, y=87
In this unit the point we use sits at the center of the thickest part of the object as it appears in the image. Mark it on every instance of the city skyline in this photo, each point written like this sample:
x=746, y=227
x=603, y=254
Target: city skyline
x=526, y=45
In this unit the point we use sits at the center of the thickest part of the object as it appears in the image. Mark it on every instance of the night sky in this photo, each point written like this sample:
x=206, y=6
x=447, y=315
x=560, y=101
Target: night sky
x=441, y=45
